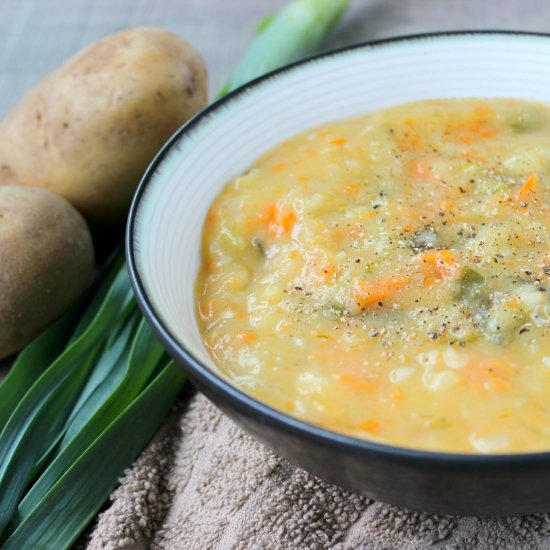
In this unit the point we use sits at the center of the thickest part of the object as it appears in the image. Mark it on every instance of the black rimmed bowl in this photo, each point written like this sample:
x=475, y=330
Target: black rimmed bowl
x=168, y=212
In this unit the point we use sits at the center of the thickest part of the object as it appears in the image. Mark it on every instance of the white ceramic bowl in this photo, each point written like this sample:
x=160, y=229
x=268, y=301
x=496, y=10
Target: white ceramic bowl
x=164, y=238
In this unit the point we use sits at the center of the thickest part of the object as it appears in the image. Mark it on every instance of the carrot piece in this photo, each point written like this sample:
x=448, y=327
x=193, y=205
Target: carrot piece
x=527, y=189
x=278, y=222
x=409, y=141
x=372, y=426
x=478, y=125
x=397, y=395
x=248, y=336
x=326, y=271
x=351, y=187
x=271, y=216
x=438, y=264
x=488, y=374
x=367, y=295
x=279, y=167
x=475, y=125
x=513, y=303
x=357, y=384
x=447, y=205
x=212, y=215
x=287, y=220
x=339, y=141
x=486, y=133
x=465, y=138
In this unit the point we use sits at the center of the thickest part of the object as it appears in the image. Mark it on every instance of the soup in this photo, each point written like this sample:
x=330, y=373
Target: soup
x=387, y=277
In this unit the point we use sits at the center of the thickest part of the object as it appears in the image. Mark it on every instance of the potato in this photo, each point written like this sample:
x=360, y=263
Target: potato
x=46, y=261
x=89, y=130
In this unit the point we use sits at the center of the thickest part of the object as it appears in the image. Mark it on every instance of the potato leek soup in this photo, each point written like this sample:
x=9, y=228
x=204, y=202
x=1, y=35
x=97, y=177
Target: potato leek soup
x=388, y=277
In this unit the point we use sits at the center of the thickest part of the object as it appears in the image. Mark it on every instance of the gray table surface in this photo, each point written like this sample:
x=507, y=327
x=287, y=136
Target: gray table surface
x=38, y=35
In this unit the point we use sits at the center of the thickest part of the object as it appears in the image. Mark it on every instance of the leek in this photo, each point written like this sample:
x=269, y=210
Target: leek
x=80, y=403
x=295, y=32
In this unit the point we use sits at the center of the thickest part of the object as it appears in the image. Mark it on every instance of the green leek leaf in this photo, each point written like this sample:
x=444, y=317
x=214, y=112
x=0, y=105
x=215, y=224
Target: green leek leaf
x=293, y=33
x=108, y=370
x=45, y=348
x=32, y=362
x=86, y=416
x=39, y=418
x=58, y=519
x=144, y=358
x=104, y=281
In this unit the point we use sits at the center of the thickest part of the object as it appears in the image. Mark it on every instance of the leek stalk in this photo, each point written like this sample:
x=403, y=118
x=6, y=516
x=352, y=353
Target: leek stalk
x=81, y=403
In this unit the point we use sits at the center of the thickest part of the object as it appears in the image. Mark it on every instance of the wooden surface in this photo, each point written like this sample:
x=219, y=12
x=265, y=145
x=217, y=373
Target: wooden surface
x=38, y=35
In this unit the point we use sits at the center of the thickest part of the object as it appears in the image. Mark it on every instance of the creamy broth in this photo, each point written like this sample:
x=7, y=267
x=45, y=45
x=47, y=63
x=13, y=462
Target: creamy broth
x=387, y=277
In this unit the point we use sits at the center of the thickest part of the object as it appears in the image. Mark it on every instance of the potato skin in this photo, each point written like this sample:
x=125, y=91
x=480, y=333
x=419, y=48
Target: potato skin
x=89, y=130
x=46, y=261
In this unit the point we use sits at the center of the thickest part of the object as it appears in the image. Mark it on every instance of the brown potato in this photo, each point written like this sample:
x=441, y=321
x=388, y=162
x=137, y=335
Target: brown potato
x=89, y=130
x=46, y=261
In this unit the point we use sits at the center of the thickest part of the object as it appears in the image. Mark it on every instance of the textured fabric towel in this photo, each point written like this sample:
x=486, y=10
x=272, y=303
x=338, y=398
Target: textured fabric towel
x=205, y=484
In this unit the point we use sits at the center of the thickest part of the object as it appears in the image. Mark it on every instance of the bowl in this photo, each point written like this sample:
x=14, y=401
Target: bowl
x=168, y=211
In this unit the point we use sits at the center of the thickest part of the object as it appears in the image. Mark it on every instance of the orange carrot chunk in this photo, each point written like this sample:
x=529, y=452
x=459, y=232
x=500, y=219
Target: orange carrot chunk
x=371, y=426
x=338, y=141
x=374, y=294
x=488, y=374
x=278, y=222
x=279, y=167
x=438, y=264
x=527, y=189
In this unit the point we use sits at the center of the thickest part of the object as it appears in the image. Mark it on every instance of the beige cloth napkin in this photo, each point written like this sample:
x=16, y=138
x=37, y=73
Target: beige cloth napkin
x=205, y=484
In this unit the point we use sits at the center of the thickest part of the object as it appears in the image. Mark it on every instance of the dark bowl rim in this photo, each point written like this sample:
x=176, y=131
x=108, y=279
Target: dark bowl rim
x=238, y=399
